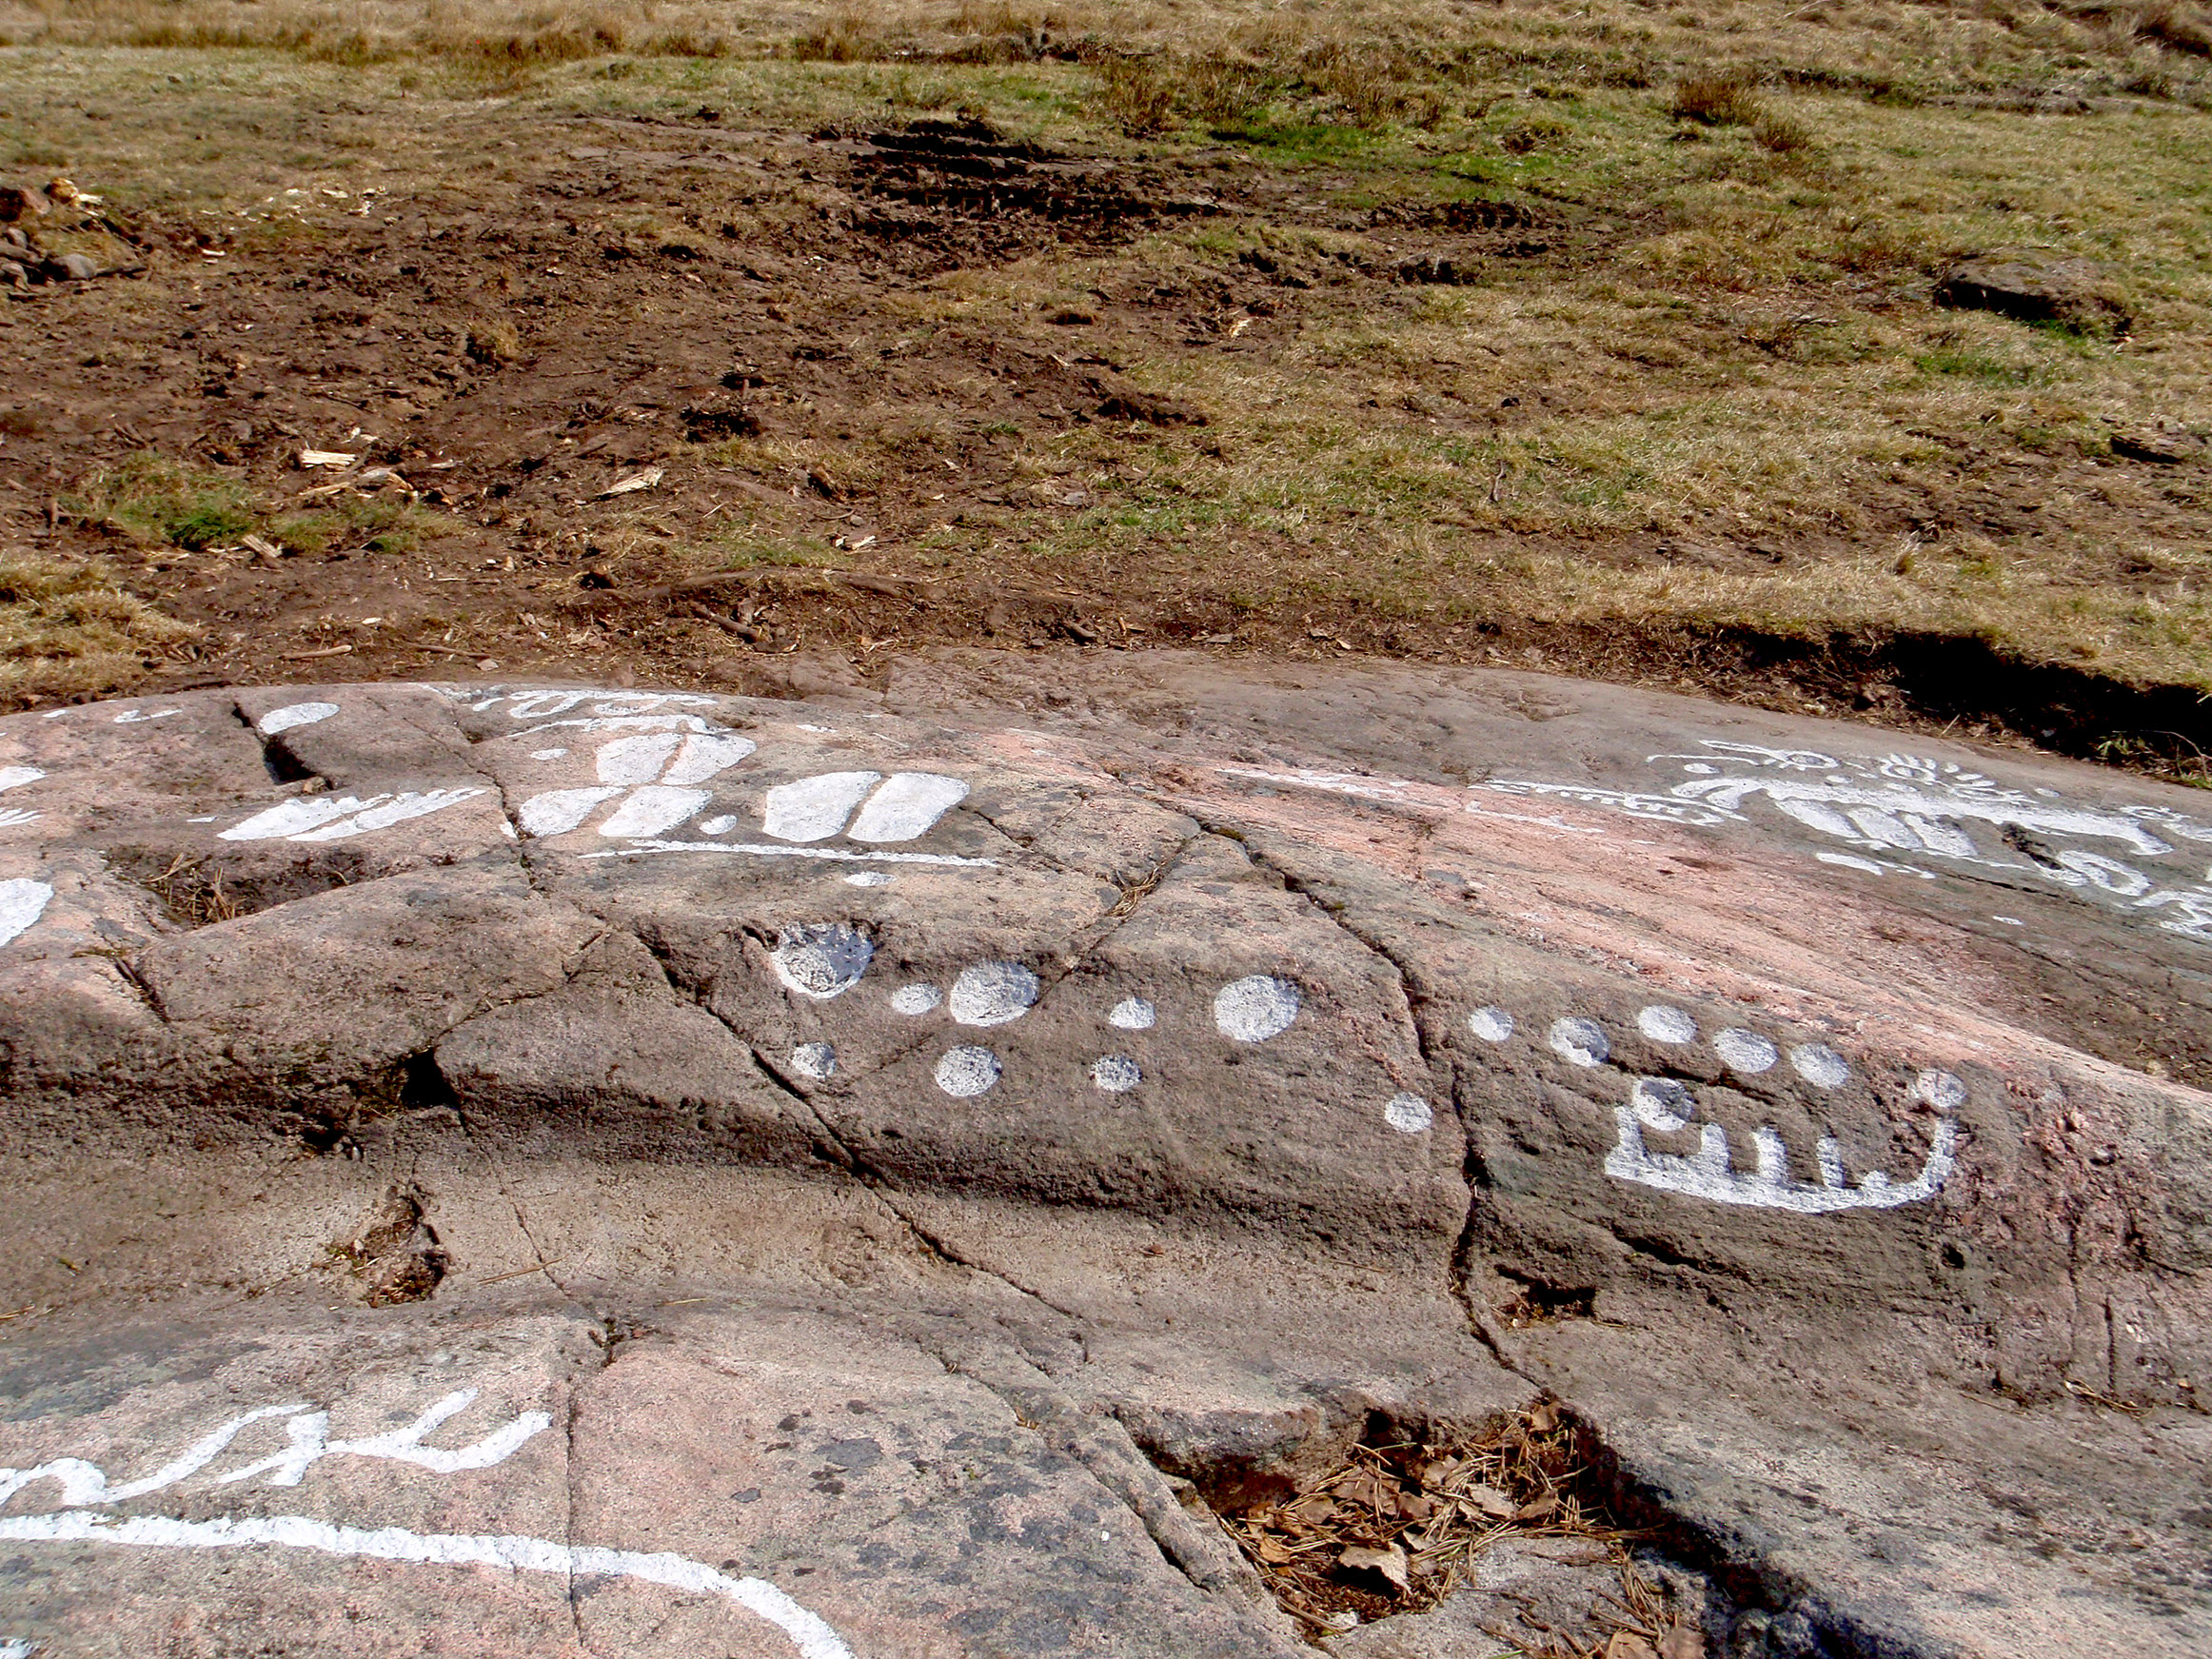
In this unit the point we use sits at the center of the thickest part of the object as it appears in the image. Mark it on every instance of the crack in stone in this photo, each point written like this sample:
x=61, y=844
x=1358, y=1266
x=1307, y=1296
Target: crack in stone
x=1120, y=1469
x=886, y=1192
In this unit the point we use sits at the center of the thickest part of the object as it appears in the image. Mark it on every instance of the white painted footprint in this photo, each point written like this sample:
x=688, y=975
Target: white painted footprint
x=656, y=770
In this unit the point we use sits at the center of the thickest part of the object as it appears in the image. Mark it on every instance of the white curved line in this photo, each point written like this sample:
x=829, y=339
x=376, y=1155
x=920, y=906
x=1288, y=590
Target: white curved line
x=812, y=1636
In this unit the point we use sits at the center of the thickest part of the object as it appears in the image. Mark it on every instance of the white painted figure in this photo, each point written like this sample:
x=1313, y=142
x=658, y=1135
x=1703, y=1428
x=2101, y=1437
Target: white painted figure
x=1666, y=1105
x=336, y=817
x=83, y=1486
x=294, y=714
x=22, y=902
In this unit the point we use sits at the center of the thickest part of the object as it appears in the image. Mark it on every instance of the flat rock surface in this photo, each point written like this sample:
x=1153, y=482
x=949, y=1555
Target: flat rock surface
x=523, y=1169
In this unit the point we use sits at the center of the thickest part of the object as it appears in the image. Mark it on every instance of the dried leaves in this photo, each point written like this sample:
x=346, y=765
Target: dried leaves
x=1393, y=1529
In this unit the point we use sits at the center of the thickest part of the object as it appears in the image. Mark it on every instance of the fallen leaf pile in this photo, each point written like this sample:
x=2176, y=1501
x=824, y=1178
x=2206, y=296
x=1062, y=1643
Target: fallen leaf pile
x=1395, y=1528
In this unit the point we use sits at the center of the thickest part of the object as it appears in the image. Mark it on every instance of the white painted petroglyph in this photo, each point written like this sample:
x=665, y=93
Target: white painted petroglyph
x=813, y=1637
x=759, y=850
x=135, y=716
x=1255, y=1008
x=1893, y=804
x=333, y=817
x=294, y=714
x=1709, y=1173
x=814, y=809
x=544, y=704
x=992, y=993
x=1132, y=1014
x=625, y=761
x=869, y=878
x=1939, y=1090
x=707, y=755
x=308, y=1430
x=907, y=807
x=814, y=1059
x=916, y=1000
x=1116, y=1073
x=15, y=777
x=1493, y=1025
x=558, y=811
x=547, y=754
x=17, y=1647
x=1581, y=1042
x=718, y=825
x=1744, y=1051
x=653, y=809
x=966, y=1072
x=22, y=902
x=11, y=816
x=1407, y=1114
x=823, y=960
x=659, y=767
x=1820, y=1065
x=1666, y=1025
x=1661, y=1103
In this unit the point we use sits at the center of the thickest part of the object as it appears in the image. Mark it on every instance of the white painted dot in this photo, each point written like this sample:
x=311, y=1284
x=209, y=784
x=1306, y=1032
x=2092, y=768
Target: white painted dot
x=825, y=731
x=1491, y=1024
x=547, y=754
x=295, y=714
x=914, y=999
x=1669, y=1025
x=1116, y=1073
x=1744, y=1051
x=207, y=820
x=992, y=992
x=718, y=825
x=1820, y=1065
x=1255, y=1008
x=1661, y=1103
x=2009, y=920
x=1939, y=1090
x=1407, y=1114
x=1133, y=1013
x=822, y=962
x=1582, y=1042
x=814, y=1059
x=967, y=1072
x=868, y=878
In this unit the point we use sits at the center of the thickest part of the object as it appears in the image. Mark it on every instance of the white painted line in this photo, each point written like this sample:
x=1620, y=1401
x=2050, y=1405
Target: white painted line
x=811, y=1635
x=752, y=849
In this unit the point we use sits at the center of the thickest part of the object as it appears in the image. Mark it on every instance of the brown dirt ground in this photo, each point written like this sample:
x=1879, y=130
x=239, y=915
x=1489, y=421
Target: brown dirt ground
x=515, y=351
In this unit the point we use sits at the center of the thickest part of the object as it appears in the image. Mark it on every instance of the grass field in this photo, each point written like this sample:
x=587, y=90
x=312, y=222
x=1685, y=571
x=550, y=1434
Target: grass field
x=1602, y=338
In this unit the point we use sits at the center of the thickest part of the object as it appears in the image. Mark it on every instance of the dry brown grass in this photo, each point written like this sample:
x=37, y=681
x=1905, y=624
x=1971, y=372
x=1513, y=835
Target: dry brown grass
x=67, y=630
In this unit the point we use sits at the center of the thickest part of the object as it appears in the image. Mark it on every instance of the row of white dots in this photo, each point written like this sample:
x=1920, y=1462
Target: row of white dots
x=1582, y=1042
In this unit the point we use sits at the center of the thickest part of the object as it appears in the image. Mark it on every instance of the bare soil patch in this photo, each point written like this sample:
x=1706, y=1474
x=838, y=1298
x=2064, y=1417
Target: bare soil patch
x=966, y=362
